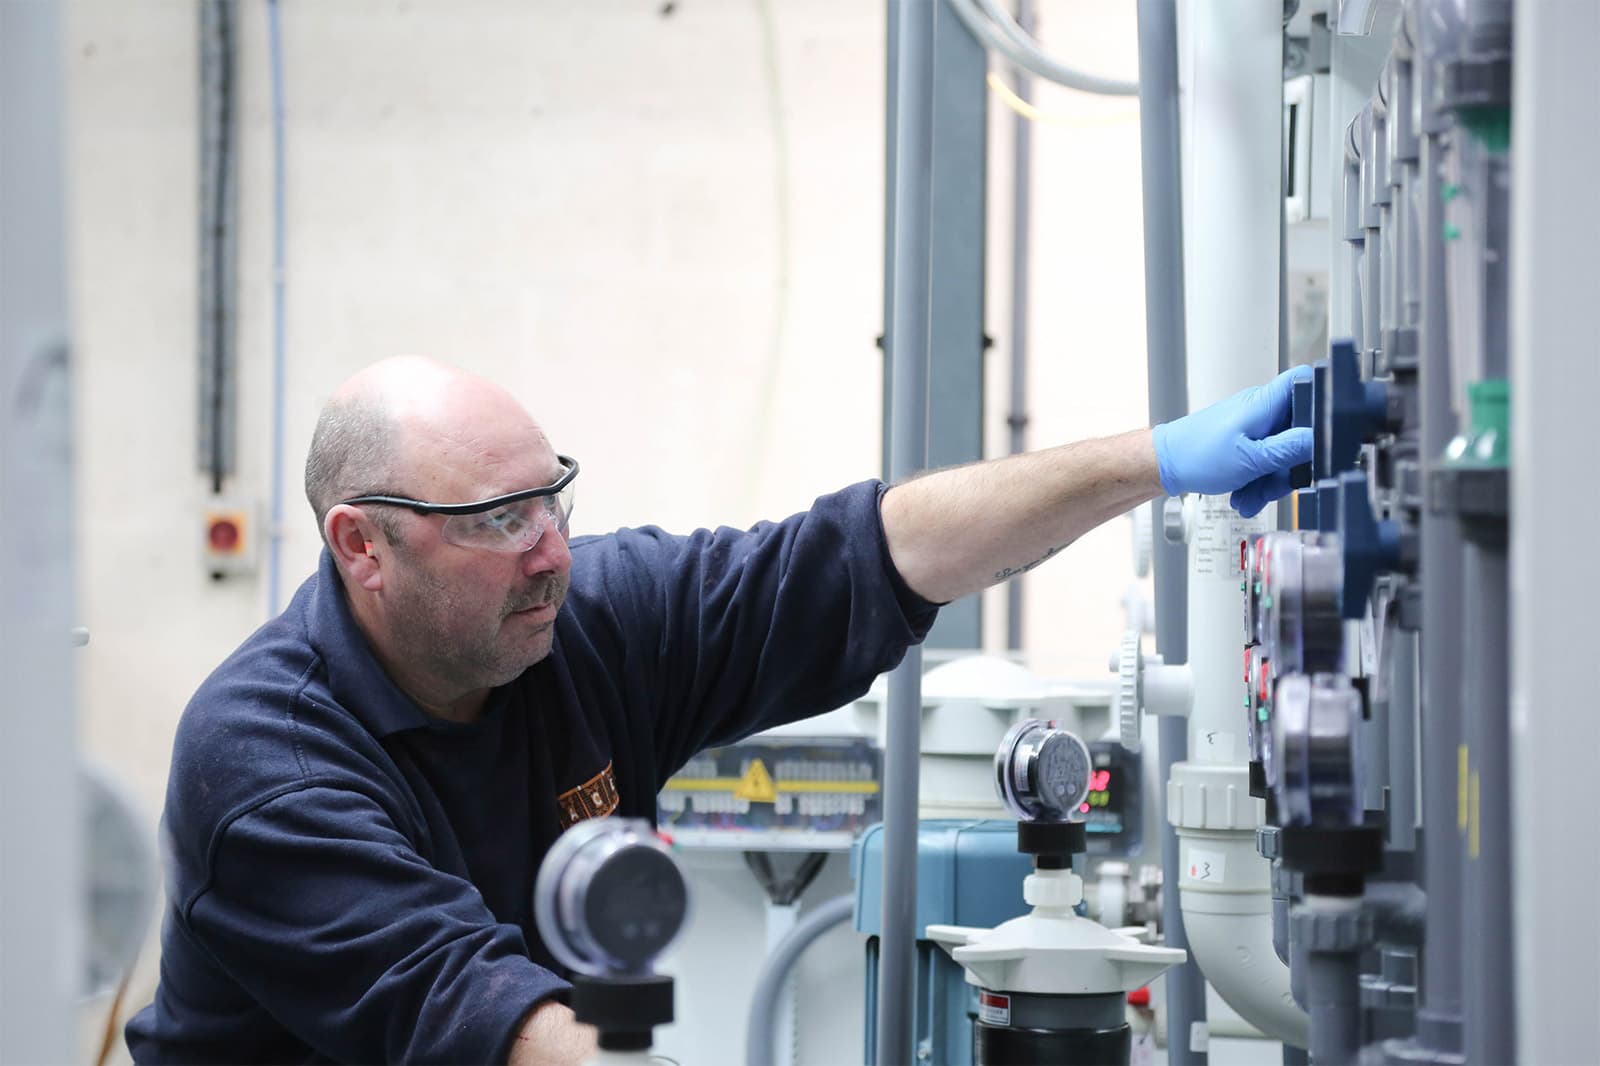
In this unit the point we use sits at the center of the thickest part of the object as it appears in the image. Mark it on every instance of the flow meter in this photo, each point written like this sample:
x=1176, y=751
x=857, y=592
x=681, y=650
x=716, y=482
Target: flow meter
x=1315, y=755
x=1297, y=619
x=1042, y=772
x=610, y=900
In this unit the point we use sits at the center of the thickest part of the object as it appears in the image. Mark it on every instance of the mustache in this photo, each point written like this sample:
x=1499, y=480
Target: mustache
x=551, y=592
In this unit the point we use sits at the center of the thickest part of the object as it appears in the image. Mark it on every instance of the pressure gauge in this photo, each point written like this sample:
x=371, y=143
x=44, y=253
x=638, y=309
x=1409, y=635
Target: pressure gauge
x=1042, y=772
x=609, y=898
x=1299, y=623
x=1258, y=679
x=1314, y=759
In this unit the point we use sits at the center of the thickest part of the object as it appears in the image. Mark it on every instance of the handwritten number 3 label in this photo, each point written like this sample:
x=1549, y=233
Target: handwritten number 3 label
x=1206, y=865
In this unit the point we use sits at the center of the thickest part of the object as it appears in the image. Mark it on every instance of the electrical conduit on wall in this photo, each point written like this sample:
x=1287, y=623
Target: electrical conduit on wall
x=1231, y=252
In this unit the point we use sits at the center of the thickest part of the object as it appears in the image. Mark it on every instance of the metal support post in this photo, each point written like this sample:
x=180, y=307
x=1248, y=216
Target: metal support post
x=40, y=823
x=1161, y=163
x=1021, y=200
x=958, y=160
x=913, y=26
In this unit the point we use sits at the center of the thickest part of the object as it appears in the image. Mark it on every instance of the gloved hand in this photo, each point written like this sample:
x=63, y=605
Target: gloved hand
x=1242, y=445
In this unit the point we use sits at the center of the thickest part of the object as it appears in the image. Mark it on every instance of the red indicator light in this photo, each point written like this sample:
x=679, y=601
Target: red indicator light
x=223, y=536
x=1083, y=808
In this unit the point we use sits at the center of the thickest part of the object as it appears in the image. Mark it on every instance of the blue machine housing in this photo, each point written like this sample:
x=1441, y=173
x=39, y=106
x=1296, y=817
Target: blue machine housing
x=968, y=873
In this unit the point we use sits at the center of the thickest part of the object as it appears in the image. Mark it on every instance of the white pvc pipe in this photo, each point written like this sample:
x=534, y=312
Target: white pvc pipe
x=1232, y=153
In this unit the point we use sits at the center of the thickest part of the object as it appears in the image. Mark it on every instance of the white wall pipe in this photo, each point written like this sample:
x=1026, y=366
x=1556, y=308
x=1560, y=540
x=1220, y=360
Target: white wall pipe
x=1233, y=56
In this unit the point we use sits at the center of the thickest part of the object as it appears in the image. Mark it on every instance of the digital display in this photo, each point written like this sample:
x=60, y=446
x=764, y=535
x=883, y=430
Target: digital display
x=1112, y=812
x=1099, y=791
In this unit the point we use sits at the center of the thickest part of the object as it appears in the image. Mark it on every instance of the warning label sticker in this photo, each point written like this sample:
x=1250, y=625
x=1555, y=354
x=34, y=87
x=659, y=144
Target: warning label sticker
x=994, y=1008
x=756, y=784
x=1219, y=531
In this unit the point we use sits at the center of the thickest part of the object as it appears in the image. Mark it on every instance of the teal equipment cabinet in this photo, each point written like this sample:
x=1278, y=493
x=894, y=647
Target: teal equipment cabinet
x=968, y=873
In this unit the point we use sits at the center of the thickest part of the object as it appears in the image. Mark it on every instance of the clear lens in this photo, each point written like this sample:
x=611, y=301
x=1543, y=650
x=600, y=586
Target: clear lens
x=515, y=527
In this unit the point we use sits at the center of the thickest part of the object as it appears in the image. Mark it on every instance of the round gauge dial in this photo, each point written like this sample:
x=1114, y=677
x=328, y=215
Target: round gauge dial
x=1042, y=772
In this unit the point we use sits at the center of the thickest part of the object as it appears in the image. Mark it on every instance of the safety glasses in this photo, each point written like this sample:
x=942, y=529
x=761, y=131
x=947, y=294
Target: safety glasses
x=511, y=523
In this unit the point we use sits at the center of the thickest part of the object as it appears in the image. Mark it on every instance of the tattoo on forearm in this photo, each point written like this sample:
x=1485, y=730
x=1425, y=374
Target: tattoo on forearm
x=1013, y=571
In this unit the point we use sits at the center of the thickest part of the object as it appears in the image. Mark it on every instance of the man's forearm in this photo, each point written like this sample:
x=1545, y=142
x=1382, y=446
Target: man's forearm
x=954, y=532
x=551, y=1036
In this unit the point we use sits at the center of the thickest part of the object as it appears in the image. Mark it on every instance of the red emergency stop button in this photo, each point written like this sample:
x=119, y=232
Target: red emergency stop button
x=224, y=535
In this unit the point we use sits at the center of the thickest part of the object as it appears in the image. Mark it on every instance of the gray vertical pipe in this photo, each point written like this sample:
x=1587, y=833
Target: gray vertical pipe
x=1021, y=199
x=909, y=354
x=1333, y=1005
x=1487, y=904
x=1403, y=741
x=1486, y=907
x=1439, y=1016
x=42, y=921
x=1161, y=157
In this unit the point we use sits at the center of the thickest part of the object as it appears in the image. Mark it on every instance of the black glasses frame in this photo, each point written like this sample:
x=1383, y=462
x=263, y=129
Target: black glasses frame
x=422, y=507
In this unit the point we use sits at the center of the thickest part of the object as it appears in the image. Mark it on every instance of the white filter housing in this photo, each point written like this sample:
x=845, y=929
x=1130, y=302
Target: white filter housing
x=1052, y=951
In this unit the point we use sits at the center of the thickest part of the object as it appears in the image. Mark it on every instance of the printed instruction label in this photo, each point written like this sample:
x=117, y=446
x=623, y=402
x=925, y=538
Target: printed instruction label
x=1219, y=531
x=994, y=1008
x=1207, y=865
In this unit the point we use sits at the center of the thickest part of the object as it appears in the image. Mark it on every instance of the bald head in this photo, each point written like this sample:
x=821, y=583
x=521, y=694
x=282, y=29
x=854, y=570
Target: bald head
x=385, y=427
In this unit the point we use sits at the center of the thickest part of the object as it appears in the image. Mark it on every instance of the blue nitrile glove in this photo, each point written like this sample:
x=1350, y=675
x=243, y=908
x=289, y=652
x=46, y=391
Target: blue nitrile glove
x=1242, y=445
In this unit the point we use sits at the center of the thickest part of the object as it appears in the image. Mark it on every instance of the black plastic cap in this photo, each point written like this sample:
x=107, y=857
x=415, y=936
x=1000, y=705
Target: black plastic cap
x=624, y=1009
x=1335, y=861
x=1052, y=844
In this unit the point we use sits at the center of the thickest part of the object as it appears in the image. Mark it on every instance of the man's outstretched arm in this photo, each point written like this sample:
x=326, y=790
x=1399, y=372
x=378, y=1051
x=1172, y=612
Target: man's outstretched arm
x=956, y=531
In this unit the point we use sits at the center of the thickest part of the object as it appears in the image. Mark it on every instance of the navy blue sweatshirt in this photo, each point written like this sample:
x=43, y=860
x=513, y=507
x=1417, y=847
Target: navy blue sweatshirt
x=350, y=879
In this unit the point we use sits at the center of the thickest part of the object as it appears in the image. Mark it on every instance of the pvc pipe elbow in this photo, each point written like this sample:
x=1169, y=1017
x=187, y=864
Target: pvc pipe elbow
x=1226, y=898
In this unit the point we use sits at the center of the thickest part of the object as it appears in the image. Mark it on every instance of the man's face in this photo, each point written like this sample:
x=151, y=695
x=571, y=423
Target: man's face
x=474, y=618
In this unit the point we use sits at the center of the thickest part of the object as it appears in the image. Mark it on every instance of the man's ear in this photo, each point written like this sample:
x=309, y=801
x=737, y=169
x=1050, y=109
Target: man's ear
x=356, y=545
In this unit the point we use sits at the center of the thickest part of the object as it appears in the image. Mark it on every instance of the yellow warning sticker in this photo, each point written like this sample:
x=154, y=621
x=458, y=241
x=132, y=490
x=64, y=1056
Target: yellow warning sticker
x=756, y=784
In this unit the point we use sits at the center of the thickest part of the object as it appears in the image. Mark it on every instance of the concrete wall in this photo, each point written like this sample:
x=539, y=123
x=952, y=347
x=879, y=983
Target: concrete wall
x=659, y=223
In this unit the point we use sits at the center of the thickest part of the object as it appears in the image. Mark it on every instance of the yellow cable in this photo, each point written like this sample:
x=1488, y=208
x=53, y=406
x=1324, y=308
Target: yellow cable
x=1034, y=114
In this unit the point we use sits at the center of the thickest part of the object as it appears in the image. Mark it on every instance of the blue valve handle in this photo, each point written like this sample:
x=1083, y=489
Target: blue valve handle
x=1370, y=545
x=1307, y=514
x=1302, y=413
x=1327, y=510
x=1319, y=415
x=1356, y=409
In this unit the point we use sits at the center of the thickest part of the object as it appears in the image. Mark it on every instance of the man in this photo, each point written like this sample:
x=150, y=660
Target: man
x=360, y=796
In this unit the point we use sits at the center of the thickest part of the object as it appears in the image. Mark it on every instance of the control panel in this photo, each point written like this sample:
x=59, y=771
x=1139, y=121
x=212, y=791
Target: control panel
x=803, y=793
